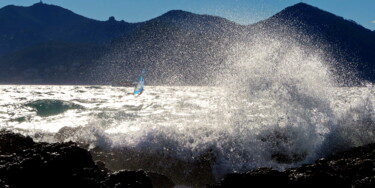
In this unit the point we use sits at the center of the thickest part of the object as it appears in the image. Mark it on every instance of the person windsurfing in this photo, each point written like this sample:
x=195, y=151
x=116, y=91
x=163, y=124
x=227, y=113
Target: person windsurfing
x=138, y=90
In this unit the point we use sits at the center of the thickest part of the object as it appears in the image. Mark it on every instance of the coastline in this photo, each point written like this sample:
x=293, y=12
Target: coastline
x=25, y=163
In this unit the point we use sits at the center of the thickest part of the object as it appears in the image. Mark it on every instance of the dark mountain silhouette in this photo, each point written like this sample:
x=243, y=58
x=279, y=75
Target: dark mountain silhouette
x=49, y=44
x=213, y=25
x=23, y=27
x=351, y=44
x=49, y=63
x=176, y=48
x=186, y=48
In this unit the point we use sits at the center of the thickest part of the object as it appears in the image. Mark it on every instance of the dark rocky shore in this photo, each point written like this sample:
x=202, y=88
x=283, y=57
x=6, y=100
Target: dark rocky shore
x=353, y=169
x=24, y=163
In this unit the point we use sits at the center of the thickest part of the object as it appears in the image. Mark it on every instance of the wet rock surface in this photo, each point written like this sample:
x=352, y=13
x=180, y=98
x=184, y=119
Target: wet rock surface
x=24, y=163
x=352, y=168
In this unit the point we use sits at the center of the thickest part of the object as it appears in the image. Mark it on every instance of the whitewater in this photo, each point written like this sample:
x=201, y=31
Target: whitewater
x=187, y=122
x=278, y=105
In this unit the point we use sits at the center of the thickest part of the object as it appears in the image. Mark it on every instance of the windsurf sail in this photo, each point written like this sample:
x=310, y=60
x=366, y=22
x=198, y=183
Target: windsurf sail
x=140, y=85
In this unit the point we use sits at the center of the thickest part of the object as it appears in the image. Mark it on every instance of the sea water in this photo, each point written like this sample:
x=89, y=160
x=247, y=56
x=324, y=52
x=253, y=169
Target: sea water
x=185, y=123
x=276, y=104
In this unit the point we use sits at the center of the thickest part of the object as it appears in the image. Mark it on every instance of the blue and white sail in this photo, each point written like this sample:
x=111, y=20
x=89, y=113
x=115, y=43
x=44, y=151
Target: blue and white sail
x=140, y=85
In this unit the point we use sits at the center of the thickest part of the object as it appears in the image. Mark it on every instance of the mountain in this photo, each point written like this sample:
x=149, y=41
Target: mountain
x=184, y=48
x=49, y=63
x=213, y=25
x=23, y=27
x=48, y=44
x=350, y=44
x=176, y=48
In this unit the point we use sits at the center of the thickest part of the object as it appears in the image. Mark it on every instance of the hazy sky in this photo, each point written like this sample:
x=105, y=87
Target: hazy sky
x=240, y=11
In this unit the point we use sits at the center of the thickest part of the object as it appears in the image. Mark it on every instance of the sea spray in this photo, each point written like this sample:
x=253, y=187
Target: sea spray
x=282, y=107
x=279, y=92
x=276, y=105
x=197, y=134
x=276, y=113
x=355, y=121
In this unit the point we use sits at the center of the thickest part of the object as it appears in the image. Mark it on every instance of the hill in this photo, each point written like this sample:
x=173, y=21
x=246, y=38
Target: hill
x=23, y=27
x=49, y=63
x=184, y=48
x=178, y=47
x=350, y=44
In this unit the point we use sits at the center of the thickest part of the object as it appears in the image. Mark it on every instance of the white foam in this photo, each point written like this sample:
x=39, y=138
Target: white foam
x=278, y=107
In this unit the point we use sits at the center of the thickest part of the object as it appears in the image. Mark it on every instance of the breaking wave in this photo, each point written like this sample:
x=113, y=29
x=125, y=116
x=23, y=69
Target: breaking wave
x=279, y=106
x=282, y=108
x=292, y=117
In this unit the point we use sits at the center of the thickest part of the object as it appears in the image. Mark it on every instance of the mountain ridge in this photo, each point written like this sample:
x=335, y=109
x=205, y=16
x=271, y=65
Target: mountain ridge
x=194, y=41
x=346, y=41
x=24, y=27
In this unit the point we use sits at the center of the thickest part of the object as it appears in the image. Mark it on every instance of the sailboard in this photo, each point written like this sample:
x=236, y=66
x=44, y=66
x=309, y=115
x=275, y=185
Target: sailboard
x=140, y=85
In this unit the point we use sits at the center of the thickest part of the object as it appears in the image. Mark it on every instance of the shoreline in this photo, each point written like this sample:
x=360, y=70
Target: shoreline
x=25, y=163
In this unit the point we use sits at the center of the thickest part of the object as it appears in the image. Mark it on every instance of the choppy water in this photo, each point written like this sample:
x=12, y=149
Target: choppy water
x=186, y=123
x=276, y=105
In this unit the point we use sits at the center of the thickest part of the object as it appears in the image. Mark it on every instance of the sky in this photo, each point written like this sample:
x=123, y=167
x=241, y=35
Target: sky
x=240, y=11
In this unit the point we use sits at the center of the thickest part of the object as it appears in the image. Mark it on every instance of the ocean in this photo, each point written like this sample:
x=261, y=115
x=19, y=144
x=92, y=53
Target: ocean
x=194, y=133
x=275, y=103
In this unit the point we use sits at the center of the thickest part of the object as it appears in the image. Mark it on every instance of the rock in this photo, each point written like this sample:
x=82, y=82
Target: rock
x=125, y=179
x=160, y=181
x=10, y=142
x=352, y=168
x=50, y=165
x=263, y=177
x=24, y=163
x=112, y=19
x=3, y=184
x=366, y=182
x=317, y=179
x=101, y=166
